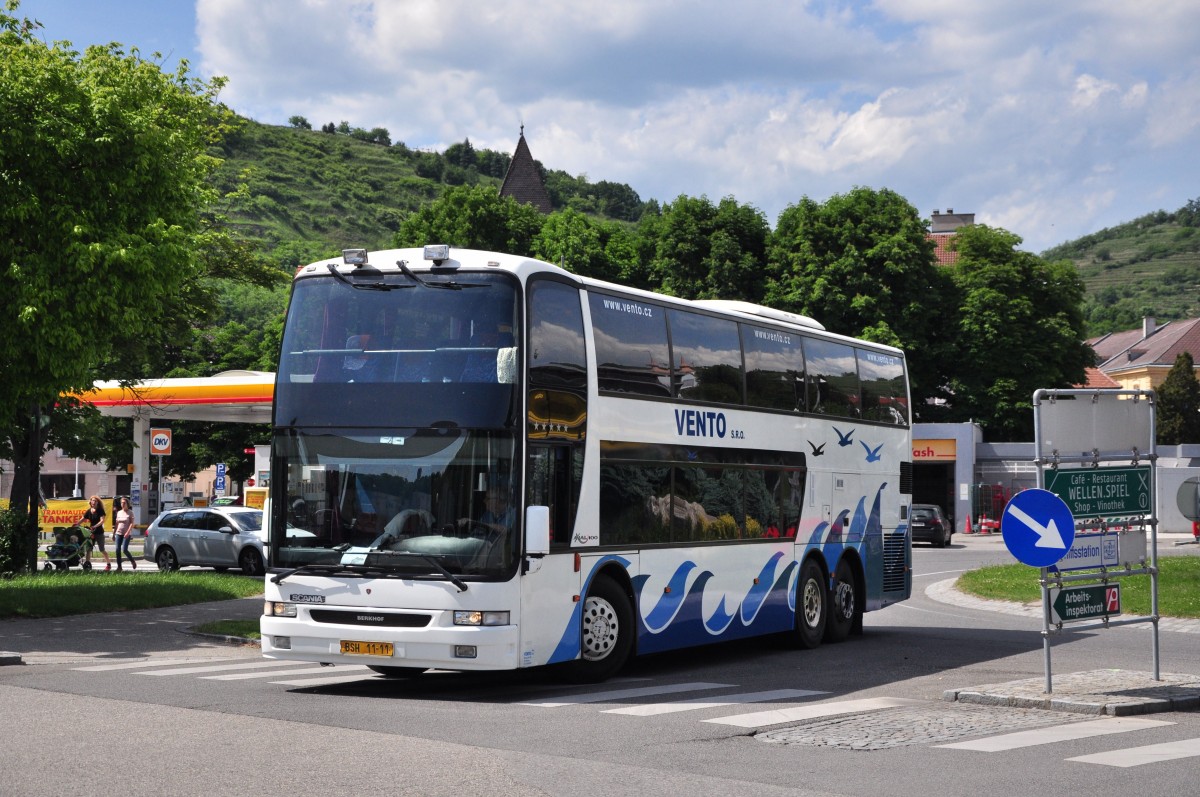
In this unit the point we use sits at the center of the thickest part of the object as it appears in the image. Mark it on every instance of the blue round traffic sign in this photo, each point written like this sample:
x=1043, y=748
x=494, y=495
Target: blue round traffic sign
x=1037, y=527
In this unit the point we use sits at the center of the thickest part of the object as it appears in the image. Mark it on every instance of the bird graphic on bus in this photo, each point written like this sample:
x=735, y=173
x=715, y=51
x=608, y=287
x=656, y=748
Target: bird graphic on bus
x=844, y=439
x=872, y=453
x=818, y=450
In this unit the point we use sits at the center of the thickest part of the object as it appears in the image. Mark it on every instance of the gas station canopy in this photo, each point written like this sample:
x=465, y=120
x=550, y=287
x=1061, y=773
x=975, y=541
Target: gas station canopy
x=231, y=396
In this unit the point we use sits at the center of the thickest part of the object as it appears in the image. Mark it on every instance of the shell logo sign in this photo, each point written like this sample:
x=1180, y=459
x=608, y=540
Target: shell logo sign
x=160, y=442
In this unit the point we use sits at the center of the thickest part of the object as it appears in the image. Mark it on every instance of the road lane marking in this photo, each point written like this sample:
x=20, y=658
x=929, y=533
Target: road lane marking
x=331, y=670
x=251, y=665
x=1150, y=754
x=654, y=709
x=778, y=716
x=130, y=665
x=623, y=694
x=333, y=679
x=1056, y=733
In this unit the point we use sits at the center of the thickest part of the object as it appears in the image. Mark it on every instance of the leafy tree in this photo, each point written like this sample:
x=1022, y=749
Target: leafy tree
x=1178, y=419
x=462, y=155
x=618, y=201
x=473, y=217
x=103, y=165
x=1020, y=328
x=862, y=264
x=706, y=251
x=492, y=163
x=299, y=122
x=586, y=246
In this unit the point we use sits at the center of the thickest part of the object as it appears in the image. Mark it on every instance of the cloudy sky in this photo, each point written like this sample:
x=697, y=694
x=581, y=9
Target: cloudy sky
x=1051, y=120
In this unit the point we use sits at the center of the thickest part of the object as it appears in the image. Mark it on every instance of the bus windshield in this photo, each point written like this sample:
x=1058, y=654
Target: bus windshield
x=398, y=352
x=396, y=414
x=399, y=500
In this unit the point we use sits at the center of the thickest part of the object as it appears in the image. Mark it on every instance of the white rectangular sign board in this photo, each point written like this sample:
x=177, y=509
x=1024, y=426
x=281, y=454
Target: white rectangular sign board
x=1104, y=421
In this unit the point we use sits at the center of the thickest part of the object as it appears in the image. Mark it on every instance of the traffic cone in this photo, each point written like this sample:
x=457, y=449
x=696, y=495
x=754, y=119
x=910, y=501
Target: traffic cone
x=967, y=525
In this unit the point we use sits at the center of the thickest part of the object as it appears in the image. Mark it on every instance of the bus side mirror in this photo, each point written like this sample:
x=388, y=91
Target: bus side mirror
x=537, y=531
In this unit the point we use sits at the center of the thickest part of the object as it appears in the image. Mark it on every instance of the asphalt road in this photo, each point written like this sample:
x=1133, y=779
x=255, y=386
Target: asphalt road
x=130, y=704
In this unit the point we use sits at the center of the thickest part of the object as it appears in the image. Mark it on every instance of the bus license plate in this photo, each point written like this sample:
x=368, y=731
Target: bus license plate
x=367, y=648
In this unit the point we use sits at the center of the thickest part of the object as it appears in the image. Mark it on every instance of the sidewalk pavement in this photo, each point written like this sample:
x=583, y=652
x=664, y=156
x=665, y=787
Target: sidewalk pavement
x=1115, y=693
x=1105, y=692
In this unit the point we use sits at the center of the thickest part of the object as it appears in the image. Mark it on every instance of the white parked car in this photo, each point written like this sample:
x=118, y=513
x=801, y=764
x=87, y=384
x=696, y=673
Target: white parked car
x=221, y=537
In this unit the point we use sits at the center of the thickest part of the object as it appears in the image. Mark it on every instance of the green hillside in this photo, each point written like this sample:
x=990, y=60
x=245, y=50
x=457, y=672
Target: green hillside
x=1146, y=267
x=304, y=194
x=319, y=192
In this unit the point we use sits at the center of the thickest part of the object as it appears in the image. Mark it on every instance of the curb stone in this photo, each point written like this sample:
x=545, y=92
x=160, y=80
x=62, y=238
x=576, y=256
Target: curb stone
x=1113, y=693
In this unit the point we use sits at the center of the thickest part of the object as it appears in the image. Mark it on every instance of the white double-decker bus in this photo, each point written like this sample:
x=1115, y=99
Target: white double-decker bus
x=485, y=462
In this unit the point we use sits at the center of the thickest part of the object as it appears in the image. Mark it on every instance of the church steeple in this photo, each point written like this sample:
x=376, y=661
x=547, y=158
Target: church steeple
x=522, y=182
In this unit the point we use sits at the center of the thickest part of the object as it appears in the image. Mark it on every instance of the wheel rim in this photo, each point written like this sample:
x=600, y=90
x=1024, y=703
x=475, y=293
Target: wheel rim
x=166, y=560
x=843, y=600
x=812, y=603
x=250, y=562
x=601, y=628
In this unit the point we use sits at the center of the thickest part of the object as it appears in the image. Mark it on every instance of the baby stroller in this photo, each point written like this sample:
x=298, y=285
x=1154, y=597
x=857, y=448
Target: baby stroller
x=68, y=549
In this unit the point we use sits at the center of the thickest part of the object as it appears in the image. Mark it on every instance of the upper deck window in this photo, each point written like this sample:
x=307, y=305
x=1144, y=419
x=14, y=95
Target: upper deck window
x=707, y=358
x=631, y=346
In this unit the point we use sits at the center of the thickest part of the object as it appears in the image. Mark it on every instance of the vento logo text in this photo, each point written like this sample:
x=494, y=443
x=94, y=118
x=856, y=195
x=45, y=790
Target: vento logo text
x=700, y=423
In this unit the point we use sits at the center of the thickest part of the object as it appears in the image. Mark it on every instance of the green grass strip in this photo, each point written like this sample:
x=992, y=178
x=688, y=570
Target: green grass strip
x=61, y=594
x=1178, y=586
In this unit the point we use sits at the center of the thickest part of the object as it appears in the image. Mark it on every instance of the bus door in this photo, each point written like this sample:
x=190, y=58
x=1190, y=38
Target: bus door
x=550, y=584
x=841, y=511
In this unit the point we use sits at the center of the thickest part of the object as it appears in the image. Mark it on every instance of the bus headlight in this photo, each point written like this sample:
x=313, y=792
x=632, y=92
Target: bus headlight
x=480, y=618
x=279, y=609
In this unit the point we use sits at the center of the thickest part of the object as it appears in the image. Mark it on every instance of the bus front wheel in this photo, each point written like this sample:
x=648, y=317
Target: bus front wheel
x=606, y=637
x=811, y=606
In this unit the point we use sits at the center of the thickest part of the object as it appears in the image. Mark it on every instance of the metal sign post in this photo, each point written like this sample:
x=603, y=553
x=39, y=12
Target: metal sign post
x=1096, y=452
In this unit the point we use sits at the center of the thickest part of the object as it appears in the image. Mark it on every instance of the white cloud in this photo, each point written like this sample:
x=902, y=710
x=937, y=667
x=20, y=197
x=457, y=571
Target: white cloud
x=1004, y=109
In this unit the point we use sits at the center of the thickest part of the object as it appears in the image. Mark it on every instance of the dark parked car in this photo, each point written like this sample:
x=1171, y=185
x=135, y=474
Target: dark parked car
x=929, y=524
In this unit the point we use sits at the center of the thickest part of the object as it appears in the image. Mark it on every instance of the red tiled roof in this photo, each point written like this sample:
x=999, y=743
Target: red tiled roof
x=1095, y=378
x=942, y=253
x=1132, y=349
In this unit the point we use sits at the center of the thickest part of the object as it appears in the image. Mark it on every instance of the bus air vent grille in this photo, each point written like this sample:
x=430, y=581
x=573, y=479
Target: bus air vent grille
x=366, y=617
x=894, y=546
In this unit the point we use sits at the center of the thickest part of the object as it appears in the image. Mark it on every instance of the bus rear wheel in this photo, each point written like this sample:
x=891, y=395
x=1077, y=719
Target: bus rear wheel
x=606, y=635
x=811, y=606
x=843, y=603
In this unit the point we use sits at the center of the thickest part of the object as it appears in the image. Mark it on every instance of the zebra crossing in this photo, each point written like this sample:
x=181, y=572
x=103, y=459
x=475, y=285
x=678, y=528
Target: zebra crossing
x=774, y=707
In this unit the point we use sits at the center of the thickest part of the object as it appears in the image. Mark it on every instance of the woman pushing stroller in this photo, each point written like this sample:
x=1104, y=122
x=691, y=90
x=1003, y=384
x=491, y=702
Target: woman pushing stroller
x=94, y=518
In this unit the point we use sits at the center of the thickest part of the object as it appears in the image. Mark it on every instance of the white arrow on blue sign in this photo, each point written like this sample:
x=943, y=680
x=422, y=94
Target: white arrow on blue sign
x=1037, y=527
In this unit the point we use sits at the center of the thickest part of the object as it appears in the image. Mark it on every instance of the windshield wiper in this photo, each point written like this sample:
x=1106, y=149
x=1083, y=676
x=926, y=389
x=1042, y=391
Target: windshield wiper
x=358, y=571
x=365, y=286
x=371, y=570
x=449, y=285
x=429, y=560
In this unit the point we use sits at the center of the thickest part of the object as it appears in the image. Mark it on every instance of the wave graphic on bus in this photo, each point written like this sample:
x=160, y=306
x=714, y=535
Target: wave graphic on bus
x=677, y=620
